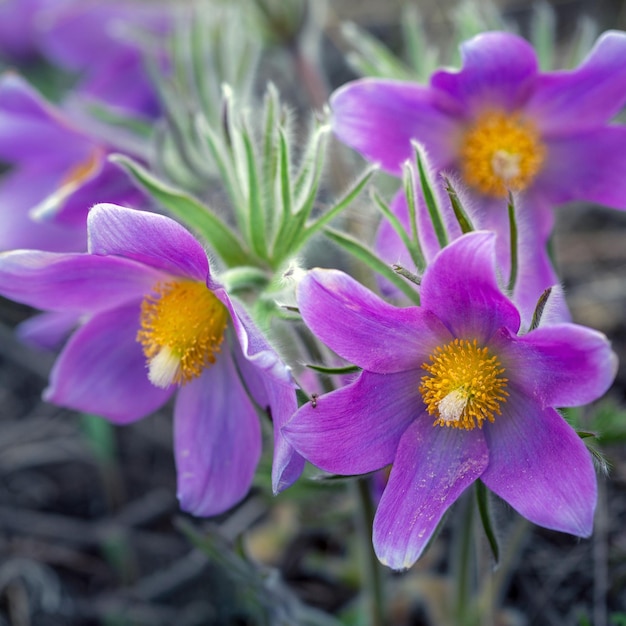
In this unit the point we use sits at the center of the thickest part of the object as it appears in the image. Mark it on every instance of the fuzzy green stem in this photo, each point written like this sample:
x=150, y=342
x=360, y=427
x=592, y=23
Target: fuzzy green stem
x=464, y=546
x=373, y=570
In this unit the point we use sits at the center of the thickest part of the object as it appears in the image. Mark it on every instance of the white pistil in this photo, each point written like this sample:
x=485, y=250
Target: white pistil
x=451, y=407
x=163, y=368
x=505, y=165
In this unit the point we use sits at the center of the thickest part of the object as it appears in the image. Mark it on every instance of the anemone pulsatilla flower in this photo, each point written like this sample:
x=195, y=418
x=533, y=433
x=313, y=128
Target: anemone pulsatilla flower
x=450, y=393
x=58, y=170
x=155, y=322
x=499, y=124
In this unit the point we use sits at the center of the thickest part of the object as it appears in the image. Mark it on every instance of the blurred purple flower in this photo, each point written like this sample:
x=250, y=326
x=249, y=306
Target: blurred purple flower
x=58, y=171
x=497, y=124
x=20, y=22
x=155, y=322
x=450, y=394
x=106, y=43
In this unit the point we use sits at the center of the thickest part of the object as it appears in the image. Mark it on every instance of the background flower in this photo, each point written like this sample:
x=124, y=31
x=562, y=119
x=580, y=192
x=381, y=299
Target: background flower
x=499, y=123
x=58, y=171
x=449, y=394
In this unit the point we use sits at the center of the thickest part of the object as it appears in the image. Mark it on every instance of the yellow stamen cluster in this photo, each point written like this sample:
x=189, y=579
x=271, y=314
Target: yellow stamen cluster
x=464, y=385
x=182, y=329
x=501, y=152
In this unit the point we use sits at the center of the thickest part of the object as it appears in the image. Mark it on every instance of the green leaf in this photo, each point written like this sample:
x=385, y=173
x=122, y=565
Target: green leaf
x=258, y=235
x=430, y=196
x=331, y=371
x=514, y=245
x=337, y=208
x=189, y=211
x=373, y=56
x=459, y=211
x=482, y=498
x=365, y=255
x=412, y=246
x=538, y=312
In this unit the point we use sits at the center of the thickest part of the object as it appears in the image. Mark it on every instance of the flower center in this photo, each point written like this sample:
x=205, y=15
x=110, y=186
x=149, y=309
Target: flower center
x=464, y=385
x=501, y=153
x=182, y=329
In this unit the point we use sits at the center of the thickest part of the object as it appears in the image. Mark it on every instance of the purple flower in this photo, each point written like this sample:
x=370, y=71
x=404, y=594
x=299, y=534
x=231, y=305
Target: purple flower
x=156, y=322
x=450, y=394
x=497, y=124
x=106, y=43
x=58, y=172
x=19, y=32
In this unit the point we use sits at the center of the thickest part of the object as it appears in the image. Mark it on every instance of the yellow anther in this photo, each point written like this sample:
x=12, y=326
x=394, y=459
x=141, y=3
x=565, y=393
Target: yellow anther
x=182, y=329
x=464, y=385
x=501, y=152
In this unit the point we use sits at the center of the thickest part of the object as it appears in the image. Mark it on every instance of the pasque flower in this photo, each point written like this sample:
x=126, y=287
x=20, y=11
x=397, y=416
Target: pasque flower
x=449, y=393
x=108, y=45
x=58, y=170
x=500, y=124
x=155, y=322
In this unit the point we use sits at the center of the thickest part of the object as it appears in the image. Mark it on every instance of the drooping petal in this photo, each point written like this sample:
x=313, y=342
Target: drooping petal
x=460, y=287
x=287, y=464
x=217, y=440
x=498, y=71
x=541, y=467
x=573, y=101
x=364, y=329
x=561, y=364
x=379, y=118
x=432, y=468
x=356, y=429
x=253, y=344
x=73, y=282
x=102, y=370
x=155, y=240
x=279, y=400
x=48, y=331
x=589, y=166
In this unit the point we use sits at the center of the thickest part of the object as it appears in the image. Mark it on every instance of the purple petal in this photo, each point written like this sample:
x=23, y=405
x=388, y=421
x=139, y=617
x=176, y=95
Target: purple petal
x=73, y=282
x=102, y=370
x=356, y=429
x=498, y=71
x=541, y=467
x=432, y=468
x=561, y=365
x=461, y=288
x=48, y=331
x=364, y=329
x=287, y=464
x=217, y=439
x=380, y=117
x=253, y=344
x=18, y=32
x=152, y=239
x=587, y=97
x=589, y=166
x=86, y=184
x=21, y=189
x=31, y=129
x=279, y=400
